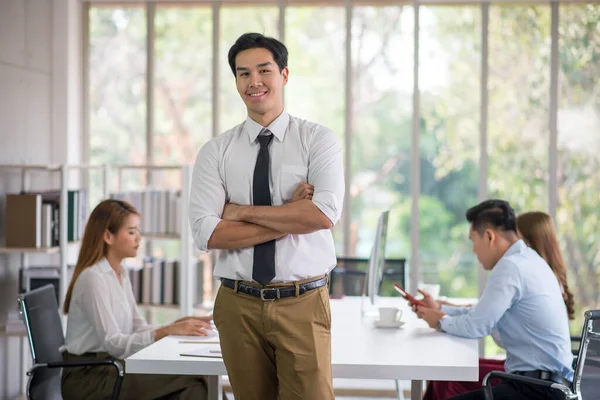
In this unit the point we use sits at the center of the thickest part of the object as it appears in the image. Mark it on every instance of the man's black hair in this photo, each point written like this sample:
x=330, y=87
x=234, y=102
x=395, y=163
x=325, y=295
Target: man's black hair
x=495, y=214
x=258, y=41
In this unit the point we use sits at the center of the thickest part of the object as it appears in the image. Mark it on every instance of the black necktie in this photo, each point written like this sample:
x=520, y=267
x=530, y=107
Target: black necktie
x=263, y=269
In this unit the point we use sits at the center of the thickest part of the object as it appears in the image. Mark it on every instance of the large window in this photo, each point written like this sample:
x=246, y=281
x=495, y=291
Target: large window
x=579, y=150
x=519, y=100
x=381, y=112
x=117, y=91
x=449, y=81
x=182, y=83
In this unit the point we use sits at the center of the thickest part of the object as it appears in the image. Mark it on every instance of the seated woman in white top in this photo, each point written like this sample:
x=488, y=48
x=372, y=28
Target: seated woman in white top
x=103, y=318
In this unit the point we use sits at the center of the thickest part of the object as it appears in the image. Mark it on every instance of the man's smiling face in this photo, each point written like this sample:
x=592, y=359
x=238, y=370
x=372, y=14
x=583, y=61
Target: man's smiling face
x=260, y=83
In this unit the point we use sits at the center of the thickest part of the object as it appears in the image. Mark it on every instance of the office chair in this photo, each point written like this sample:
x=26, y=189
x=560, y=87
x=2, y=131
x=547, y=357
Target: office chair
x=45, y=335
x=586, y=382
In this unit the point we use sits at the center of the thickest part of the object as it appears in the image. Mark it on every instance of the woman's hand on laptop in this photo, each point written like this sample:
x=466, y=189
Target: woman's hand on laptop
x=206, y=318
x=188, y=326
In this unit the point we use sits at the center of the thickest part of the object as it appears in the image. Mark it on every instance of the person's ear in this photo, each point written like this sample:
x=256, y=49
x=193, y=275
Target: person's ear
x=490, y=235
x=285, y=73
x=108, y=237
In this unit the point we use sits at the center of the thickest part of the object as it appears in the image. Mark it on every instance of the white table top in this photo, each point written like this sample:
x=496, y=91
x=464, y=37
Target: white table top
x=413, y=352
x=359, y=349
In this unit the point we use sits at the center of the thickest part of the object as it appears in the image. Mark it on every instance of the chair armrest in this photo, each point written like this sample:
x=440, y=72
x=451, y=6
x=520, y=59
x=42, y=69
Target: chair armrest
x=90, y=363
x=592, y=314
x=506, y=376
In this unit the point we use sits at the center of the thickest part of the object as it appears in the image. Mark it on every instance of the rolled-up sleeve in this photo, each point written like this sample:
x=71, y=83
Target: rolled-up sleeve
x=207, y=195
x=502, y=290
x=326, y=173
x=454, y=310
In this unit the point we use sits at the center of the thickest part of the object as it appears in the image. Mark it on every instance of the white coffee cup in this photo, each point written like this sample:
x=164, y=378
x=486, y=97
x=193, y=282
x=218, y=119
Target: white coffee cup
x=432, y=288
x=389, y=315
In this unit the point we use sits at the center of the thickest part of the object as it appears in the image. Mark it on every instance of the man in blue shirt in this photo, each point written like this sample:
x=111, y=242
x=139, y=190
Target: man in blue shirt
x=522, y=300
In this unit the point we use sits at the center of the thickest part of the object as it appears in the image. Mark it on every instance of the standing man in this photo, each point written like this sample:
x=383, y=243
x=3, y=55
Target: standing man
x=266, y=193
x=522, y=300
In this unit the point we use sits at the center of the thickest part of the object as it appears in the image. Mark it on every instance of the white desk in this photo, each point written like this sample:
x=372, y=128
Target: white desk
x=359, y=350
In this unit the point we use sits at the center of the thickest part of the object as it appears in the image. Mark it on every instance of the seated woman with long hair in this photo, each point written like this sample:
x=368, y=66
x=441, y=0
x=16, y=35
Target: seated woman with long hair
x=103, y=318
x=537, y=231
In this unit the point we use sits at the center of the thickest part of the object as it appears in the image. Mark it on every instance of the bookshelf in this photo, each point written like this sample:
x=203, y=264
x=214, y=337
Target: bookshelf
x=38, y=250
x=182, y=233
x=61, y=249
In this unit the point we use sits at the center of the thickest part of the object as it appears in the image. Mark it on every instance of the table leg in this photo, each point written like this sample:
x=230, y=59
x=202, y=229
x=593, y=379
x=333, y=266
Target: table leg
x=416, y=390
x=215, y=387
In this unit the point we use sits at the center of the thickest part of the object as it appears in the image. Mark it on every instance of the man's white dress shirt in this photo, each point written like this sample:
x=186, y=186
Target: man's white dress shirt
x=301, y=151
x=103, y=315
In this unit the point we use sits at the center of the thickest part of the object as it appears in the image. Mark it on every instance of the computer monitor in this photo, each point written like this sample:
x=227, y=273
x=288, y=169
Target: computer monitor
x=377, y=258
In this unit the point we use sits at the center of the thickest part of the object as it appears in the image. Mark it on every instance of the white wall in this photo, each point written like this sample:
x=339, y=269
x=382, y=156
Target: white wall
x=40, y=120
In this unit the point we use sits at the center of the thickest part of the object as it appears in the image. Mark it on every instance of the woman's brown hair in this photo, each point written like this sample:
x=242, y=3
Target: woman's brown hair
x=537, y=230
x=110, y=216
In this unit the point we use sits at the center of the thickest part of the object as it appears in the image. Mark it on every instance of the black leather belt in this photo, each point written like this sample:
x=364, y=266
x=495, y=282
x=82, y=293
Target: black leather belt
x=546, y=376
x=274, y=293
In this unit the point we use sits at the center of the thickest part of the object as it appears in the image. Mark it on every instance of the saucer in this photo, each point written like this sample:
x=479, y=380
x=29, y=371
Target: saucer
x=395, y=325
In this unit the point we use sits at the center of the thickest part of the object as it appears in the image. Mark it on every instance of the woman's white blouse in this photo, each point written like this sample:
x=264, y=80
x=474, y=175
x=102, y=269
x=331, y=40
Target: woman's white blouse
x=103, y=315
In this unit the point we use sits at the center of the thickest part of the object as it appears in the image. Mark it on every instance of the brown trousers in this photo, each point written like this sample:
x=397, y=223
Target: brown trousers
x=276, y=349
x=96, y=383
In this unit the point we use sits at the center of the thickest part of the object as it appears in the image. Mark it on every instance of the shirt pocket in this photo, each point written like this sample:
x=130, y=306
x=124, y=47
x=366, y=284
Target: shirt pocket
x=289, y=178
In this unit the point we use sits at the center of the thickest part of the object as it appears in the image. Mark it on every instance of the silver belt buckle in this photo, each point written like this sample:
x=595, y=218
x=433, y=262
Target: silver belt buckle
x=262, y=294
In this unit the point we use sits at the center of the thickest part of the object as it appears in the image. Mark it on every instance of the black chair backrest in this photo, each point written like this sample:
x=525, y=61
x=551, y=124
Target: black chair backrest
x=587, y=370
x=45, y=334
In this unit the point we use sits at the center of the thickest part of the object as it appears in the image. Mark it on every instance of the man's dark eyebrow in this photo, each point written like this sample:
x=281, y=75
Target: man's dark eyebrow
x=265, y=64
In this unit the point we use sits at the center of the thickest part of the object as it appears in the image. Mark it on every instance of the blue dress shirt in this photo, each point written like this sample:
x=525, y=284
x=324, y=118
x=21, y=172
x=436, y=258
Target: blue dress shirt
x=523, y=301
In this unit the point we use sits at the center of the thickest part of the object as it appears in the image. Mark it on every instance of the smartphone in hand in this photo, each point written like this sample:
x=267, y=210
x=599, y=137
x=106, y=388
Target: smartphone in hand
x=407, y=295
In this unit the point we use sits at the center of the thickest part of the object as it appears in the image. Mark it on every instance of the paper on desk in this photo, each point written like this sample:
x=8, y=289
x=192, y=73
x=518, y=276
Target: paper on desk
x=207, y=351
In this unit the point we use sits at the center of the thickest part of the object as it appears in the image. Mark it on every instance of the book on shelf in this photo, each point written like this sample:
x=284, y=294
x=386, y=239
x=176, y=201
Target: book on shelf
x=24, y=220
x=33, y=218
x=160, y=210
x=155, y=282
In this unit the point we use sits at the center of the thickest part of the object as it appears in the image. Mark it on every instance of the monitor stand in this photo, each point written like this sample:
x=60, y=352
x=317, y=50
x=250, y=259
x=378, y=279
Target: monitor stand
x=366, y=309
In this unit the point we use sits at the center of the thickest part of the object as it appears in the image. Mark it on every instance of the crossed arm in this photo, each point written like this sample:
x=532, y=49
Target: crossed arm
x=244, y=226
x=240, y=226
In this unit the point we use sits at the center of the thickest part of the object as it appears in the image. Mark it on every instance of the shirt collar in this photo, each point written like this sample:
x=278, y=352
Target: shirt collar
x=105, y=267
x=515, y=248
x=278, y=127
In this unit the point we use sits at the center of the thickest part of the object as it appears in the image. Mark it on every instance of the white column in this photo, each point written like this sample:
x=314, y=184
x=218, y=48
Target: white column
x=346, y=218
x=415, y=165
x=216, y=18
x=483, y=150
x=67, y=82
x=483, y=138
x=553, y=117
